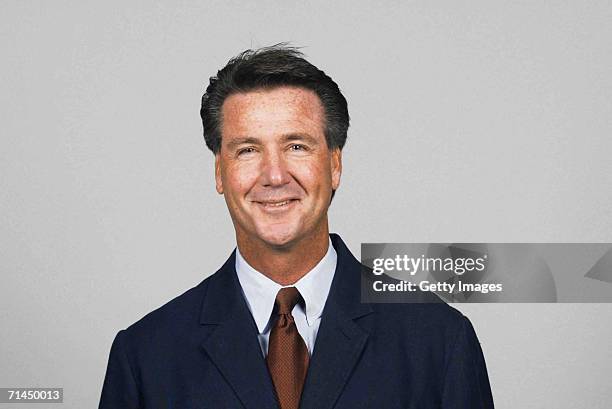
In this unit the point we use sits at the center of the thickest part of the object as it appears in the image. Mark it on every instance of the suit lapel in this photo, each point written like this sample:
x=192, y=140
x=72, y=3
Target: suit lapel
x=340, y=341
x=232, y=340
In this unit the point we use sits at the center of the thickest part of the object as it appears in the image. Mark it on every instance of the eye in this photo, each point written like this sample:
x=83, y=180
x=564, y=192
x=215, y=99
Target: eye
x=246, y=151
x=297, y=147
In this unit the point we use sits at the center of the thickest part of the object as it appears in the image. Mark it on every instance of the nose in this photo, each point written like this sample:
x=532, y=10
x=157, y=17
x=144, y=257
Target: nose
x=274, y=170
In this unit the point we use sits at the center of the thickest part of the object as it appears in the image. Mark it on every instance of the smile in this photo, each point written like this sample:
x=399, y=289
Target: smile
x=276, y=206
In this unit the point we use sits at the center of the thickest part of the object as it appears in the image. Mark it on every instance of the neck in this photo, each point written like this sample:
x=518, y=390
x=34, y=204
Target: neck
x=287, y=264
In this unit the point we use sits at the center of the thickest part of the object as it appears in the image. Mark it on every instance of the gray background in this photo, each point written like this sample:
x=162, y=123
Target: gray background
x=471, y=122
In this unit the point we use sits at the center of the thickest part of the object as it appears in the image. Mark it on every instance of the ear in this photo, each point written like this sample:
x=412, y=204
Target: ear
x=336, y=167
x=218, y=180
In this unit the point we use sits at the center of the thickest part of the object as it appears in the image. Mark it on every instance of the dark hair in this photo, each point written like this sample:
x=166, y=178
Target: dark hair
x=271, y=67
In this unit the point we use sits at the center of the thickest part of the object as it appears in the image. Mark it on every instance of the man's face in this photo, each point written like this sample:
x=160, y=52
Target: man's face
x=274, y=167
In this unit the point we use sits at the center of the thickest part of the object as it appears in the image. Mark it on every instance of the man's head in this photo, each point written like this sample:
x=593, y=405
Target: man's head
x=276, y=125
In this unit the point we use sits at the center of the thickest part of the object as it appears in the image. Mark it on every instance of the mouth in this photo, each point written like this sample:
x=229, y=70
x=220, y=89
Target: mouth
x=275, y=206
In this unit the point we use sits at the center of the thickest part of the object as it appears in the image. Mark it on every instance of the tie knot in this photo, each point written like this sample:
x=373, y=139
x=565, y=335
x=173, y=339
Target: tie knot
x=286, y=299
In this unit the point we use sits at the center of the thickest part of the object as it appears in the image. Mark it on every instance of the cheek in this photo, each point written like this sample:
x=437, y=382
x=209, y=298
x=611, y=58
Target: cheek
x=315, y=176
x=239, y=179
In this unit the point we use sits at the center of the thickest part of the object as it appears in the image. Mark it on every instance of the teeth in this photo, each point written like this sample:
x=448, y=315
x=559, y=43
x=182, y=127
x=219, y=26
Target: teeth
x=277, y=204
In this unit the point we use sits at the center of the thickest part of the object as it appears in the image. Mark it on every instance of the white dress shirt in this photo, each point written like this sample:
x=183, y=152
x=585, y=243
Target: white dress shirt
x=260, y=293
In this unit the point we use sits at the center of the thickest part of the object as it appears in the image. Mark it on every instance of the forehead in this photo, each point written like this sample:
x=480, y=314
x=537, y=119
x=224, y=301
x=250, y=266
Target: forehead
x=281, y=109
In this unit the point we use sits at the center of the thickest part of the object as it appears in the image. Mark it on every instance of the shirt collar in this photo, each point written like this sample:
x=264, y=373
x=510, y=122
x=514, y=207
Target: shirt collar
x=260, y=291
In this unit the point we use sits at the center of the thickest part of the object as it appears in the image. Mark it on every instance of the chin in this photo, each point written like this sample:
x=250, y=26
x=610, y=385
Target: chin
x=277, y=236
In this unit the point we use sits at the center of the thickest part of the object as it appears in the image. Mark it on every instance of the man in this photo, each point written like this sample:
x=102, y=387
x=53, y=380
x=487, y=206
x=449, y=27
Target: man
x=280, y=324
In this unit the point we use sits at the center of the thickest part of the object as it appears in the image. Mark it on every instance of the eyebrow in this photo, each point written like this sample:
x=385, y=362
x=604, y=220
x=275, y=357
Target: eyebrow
x=234, y=143
x=300, y=137
x=242, y=141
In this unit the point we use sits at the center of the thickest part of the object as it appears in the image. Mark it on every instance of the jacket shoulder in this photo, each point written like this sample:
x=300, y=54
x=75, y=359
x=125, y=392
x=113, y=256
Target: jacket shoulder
x=437, y=324
x=179, y=312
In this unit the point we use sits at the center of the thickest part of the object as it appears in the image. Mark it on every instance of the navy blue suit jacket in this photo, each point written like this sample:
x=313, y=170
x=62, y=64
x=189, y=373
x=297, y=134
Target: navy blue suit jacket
x=200, y=350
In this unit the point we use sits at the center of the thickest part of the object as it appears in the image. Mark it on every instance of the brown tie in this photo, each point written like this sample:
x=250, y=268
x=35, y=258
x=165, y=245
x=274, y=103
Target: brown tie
x=287, y=353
